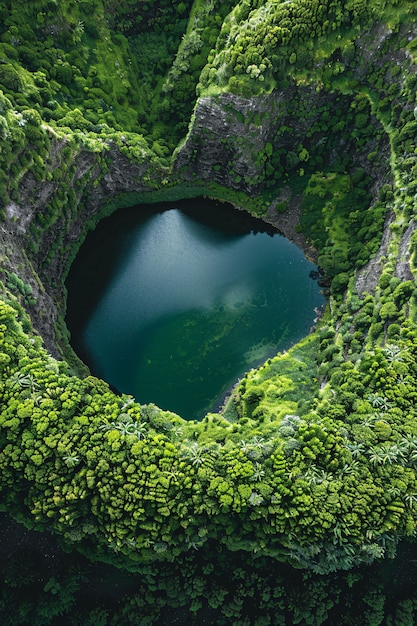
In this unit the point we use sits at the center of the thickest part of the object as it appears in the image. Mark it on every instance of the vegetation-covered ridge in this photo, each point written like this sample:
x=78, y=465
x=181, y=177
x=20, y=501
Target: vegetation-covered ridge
x=302, y=105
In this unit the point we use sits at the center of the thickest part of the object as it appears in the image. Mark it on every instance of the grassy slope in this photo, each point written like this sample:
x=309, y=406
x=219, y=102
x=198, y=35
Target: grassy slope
x=329, y=488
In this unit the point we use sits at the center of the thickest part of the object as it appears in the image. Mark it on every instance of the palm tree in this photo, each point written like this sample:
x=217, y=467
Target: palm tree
x=26, y=381
x=356, y=448
x=378, y=401
x=126, y=426
x=177, y=431
x=394, y=492
x=258, y=442
x=411, y=500
x=391, y=453
x=369, y=421
x=173, y=475
x=376, y=456
x=255, y=448
x=244, y=446
x=107, y=425
x=312, y=476
x=384, y=454
x=258, y=473
x=407, y=447
x=325, y=477
x=140, y=430
x=413, y=457
x=193, y=453
x=37, y=399
x=71, y=460
x=393, y=353
x=349, y=468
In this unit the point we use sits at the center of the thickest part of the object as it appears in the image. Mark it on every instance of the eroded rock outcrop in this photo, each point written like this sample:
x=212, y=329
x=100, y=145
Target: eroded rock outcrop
x=39, y=251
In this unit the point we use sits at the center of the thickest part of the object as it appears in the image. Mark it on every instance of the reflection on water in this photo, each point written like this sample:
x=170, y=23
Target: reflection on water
x=173, y=305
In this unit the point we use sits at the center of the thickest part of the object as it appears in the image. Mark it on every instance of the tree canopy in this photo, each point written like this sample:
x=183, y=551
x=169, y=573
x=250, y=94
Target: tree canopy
x=312, y=462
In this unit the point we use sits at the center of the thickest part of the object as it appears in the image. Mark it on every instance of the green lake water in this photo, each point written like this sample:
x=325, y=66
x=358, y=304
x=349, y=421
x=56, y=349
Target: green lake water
x=173, y=303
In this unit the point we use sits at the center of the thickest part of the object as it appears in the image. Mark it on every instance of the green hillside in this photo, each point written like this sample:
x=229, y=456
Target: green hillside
x=304, y=113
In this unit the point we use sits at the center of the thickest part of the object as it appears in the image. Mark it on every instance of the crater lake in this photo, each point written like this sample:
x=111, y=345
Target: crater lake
x=173, y=303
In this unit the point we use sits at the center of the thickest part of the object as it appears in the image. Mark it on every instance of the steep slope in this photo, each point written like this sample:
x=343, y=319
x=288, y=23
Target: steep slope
x=305, y=116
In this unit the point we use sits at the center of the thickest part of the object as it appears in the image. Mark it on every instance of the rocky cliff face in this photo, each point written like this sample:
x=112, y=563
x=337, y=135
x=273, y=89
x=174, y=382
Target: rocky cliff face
x=97, y=184
x=39, y=254
x=224, y=140
x=256, y=144
x=239, y=143
x=228, y=135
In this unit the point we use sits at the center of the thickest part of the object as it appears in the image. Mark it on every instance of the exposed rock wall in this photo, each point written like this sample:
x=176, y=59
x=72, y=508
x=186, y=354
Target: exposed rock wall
x=95, y=184
x=229, y=137
x=223, y=141
x=226, y=144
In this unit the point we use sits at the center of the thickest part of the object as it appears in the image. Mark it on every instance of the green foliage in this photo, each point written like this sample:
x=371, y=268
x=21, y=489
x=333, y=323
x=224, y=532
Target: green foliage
x=88, y=68
x=315, y=465
x=259, y=39
x=17, y=285
x=210, y=584
x=337, y=230
x=88, y=455
x=99, y=446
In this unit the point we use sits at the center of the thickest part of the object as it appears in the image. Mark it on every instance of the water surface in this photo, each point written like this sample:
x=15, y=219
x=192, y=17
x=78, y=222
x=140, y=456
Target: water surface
x=172, y=304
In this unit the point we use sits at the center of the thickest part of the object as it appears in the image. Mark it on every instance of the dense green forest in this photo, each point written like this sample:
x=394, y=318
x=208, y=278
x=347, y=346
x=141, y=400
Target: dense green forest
x=278, y=508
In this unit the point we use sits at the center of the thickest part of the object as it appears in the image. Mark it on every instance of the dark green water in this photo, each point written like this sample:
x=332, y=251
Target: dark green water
x=173, y=304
